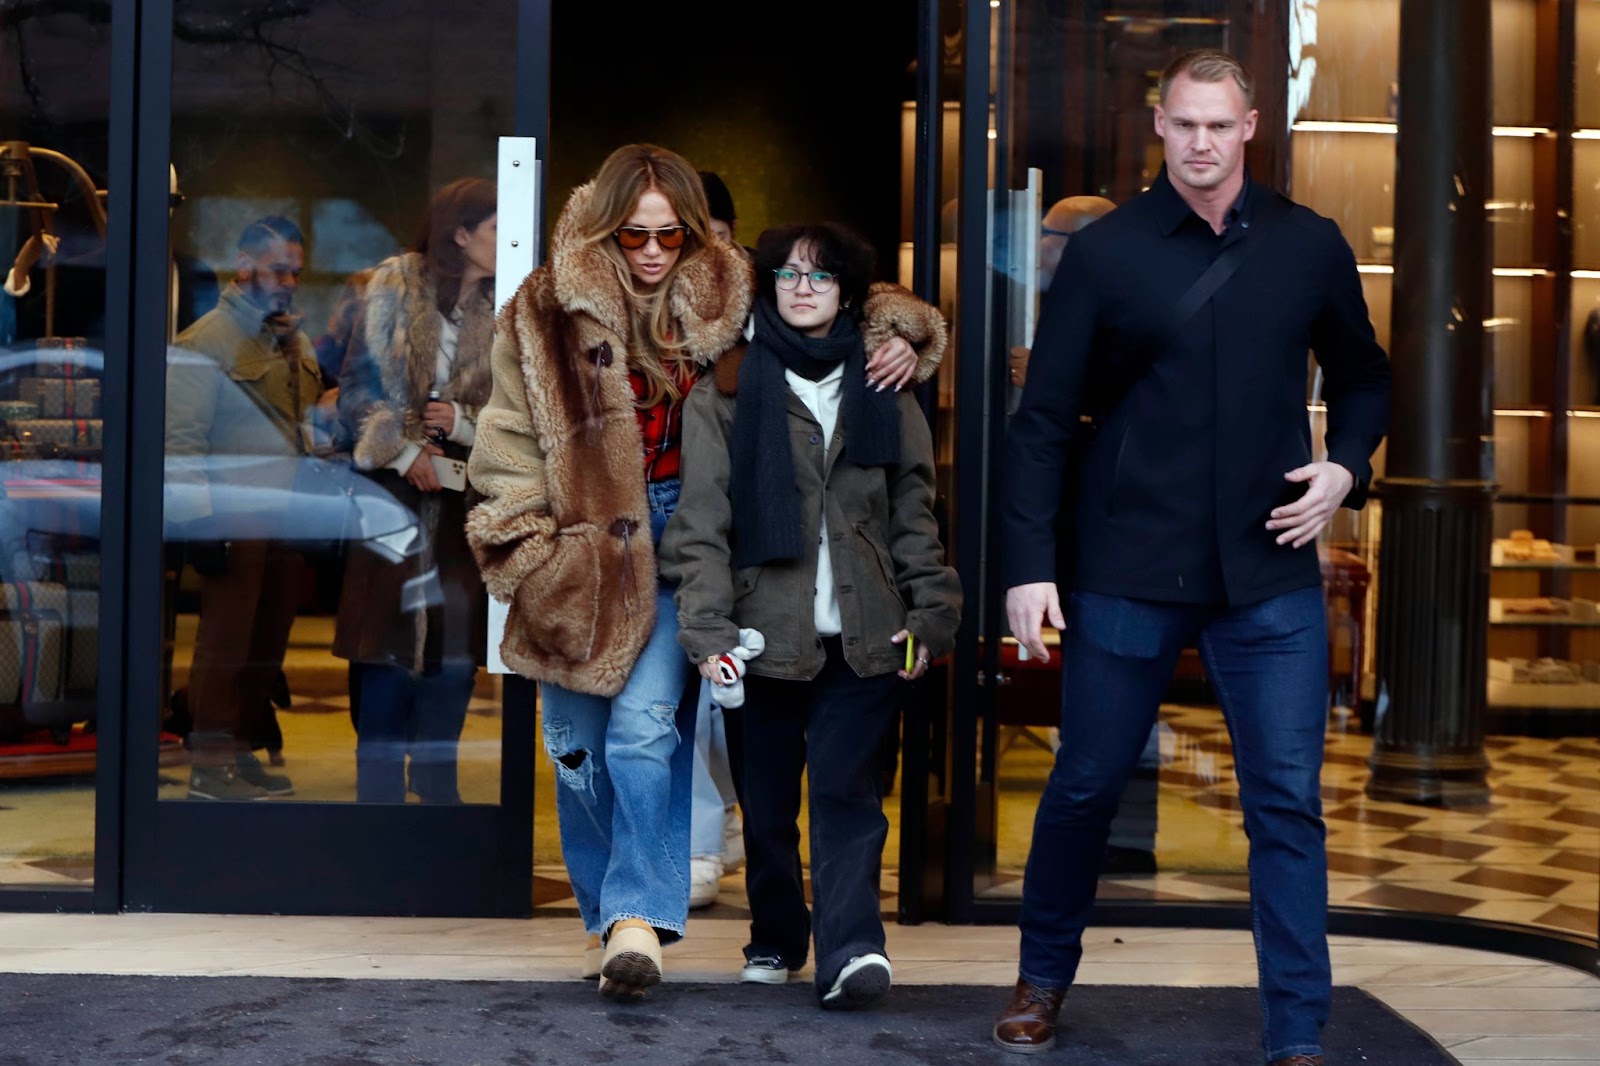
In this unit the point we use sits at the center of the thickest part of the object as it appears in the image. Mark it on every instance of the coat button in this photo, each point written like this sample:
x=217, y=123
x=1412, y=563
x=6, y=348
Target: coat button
x=815, y=439
x=819, y=642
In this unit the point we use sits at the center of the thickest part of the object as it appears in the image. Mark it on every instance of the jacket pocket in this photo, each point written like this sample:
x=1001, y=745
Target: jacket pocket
x=744, y=581
x=252, y=367
x=558, y=606
x=885, y=567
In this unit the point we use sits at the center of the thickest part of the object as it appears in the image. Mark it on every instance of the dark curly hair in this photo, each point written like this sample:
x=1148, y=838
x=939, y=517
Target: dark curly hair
x=835, y=248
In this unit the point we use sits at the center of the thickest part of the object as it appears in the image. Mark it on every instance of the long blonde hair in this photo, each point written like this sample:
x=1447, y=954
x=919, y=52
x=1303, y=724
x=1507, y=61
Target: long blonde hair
x=626, y=175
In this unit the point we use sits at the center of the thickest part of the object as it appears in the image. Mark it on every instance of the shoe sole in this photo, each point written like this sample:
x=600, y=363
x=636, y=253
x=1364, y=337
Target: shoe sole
x=628, y=974
x=194, y=795
x=860, y=989
x=1022, y=1049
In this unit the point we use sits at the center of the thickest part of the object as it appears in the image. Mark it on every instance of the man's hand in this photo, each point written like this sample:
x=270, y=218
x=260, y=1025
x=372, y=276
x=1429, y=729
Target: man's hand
x=422, y=474
x=1027, y=606
x=892, y=365
x=1303, y=519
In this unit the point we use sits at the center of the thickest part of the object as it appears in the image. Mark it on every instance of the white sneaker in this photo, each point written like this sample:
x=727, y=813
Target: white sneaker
x=732, y=840
x=765, y=970
x=705, y=879
x=864, y=980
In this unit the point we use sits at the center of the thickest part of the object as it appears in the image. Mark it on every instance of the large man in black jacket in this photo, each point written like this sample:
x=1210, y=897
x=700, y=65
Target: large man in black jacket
x=1196, y=508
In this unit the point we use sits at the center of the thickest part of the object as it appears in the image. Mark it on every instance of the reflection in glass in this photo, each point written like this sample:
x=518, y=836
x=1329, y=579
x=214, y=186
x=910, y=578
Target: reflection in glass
x=324, y=622
x=53, y=147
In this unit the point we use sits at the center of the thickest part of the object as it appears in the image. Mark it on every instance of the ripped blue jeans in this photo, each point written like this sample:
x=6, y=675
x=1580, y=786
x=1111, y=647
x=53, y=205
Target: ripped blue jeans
x=623, y=780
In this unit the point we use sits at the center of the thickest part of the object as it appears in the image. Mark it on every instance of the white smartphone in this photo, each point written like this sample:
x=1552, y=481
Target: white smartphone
x=452, y=472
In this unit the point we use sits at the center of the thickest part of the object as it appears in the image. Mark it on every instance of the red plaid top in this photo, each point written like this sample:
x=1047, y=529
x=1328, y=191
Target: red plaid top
x=661, y=426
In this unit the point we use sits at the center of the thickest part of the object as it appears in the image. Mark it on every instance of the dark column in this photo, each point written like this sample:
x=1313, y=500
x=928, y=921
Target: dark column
x=1434, y=562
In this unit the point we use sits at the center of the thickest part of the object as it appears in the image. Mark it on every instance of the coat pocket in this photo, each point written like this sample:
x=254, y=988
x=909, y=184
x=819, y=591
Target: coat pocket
x=893, y=602
x=556, y=610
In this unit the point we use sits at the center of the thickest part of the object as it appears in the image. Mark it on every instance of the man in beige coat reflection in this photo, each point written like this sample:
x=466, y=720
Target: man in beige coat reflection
x=241, y=383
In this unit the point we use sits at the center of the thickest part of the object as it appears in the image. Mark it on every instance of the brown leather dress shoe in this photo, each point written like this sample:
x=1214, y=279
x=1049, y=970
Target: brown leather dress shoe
x=1028, y=1023
x=1299, y=1060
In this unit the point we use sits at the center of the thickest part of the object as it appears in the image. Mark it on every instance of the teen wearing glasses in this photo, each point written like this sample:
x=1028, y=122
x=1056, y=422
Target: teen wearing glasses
x=577, y=461
x=804, y=488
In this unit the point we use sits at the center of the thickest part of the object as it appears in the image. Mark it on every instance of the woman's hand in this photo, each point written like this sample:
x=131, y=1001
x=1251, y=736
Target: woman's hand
x=422, y=474
x=709, y=670
x=439, y=415
x=919, y=665
x=892, y=365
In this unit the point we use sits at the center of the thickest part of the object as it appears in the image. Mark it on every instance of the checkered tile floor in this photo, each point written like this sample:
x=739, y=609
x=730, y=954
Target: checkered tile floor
x=1531, y=855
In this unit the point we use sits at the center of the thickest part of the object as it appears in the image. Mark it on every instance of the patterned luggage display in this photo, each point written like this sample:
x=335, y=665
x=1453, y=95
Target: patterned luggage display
x=49, y=656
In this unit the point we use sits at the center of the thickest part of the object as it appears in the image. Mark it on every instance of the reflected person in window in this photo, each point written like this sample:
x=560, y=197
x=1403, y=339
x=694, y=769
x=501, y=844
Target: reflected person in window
x=414, y=379
x=1196, y=511
x=241, y=382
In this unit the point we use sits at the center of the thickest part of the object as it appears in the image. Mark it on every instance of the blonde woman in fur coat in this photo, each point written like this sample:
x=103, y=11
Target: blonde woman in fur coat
x=414, y=379
x=576, y=464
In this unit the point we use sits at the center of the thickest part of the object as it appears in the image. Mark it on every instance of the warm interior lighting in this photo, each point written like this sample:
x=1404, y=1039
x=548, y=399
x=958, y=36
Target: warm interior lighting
x=1319, y=126
x=1329, y=126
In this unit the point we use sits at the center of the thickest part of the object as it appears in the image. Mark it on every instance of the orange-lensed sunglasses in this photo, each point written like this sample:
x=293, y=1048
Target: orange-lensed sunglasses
x=635, y=237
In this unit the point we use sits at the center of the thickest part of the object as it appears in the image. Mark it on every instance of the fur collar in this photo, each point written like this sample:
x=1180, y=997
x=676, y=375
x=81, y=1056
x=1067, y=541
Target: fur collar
x=400, y=333
x=710, y=297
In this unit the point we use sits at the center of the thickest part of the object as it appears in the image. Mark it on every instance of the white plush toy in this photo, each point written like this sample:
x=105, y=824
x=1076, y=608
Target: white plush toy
x=731, y=666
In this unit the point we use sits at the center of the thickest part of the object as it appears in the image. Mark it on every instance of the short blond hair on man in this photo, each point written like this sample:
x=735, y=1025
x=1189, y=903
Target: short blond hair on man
x=1209, y=65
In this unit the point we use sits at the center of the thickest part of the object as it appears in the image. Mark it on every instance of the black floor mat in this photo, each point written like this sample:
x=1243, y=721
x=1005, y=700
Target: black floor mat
x=244, y=1021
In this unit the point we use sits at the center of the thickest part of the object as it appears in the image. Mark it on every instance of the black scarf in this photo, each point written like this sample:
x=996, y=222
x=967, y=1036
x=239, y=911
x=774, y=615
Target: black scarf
x=763, y=488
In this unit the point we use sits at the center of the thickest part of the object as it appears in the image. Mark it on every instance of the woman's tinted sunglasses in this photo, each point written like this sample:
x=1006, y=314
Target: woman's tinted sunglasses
x=634, y=237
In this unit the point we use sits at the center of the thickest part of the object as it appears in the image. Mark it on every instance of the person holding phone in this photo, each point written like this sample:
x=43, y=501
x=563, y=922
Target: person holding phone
x=800, y=483
x=415, y=375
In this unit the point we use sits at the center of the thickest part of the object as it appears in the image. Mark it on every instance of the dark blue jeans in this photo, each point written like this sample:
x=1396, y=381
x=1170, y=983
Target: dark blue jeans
x=830, y=727
x=1269, y=664
x=403, y=713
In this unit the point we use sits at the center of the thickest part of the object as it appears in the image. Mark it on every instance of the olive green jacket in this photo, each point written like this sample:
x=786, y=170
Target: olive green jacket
x=888, y=563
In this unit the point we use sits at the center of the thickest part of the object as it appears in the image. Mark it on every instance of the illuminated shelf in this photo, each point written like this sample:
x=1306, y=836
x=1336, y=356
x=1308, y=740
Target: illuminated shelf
x=1391, y=128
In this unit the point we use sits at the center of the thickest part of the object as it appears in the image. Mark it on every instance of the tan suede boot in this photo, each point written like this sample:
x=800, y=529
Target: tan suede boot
x=593, y=956
x=632, y=960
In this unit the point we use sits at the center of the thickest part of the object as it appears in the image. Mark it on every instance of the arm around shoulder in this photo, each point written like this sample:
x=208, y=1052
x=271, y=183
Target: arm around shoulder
x=894, y=311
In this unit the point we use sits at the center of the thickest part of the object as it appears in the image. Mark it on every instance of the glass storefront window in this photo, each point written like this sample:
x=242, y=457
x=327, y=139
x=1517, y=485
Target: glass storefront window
x=54, y=129
x=333, y=251
x=1327, y=136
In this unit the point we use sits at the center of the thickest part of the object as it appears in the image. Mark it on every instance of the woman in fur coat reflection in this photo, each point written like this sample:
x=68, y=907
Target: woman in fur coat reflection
x=577, y=464
x=414, y=379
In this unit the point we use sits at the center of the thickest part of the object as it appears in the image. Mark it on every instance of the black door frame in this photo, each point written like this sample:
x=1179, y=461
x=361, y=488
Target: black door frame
x=246, y=858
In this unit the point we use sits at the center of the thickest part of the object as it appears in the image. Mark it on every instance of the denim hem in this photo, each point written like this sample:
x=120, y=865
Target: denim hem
x=1041, y=982
x=1294, y=1049
x=667, y=932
